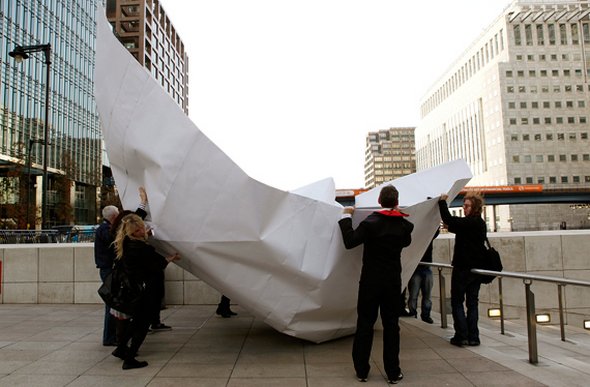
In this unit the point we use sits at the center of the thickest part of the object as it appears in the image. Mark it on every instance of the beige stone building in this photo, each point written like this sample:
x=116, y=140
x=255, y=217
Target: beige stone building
x=389, y=154
x=515, y=106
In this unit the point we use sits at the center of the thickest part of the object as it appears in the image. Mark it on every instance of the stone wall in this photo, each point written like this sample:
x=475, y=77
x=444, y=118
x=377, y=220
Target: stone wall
x=563, y=254
x=65, y=273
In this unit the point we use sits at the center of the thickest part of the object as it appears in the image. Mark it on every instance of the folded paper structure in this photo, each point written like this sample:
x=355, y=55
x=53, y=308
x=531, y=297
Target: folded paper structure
x=278, y=254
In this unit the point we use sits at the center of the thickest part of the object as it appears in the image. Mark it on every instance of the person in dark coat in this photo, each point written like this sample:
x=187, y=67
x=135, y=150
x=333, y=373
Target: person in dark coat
x=141, y=266
x=421, y=282
x=104, y=255
x=470, y=234
x=384, y=234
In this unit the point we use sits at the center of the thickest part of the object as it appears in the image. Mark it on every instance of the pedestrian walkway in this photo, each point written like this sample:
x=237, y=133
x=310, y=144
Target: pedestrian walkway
x=59, y=345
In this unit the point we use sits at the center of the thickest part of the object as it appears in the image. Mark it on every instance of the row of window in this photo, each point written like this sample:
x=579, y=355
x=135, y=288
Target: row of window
x=550, y=136
x=550, y=33
x=550, y=158
x=576, y=57
x=545, y=73
x=552, y=180
x=548, y=120
x=545, y=89
x=547, y=104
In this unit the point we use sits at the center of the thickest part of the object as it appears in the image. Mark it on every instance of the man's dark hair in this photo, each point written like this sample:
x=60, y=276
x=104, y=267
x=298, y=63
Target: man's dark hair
x=388, y=197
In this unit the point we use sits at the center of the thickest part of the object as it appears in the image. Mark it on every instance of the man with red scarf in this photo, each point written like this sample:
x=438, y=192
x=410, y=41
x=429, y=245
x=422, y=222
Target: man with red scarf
x=384, y=234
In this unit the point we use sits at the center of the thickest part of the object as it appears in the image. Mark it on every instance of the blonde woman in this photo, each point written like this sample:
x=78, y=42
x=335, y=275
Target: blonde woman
x=141, y=267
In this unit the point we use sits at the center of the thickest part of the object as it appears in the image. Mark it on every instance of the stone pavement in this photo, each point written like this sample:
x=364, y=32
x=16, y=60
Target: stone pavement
x=59, y=345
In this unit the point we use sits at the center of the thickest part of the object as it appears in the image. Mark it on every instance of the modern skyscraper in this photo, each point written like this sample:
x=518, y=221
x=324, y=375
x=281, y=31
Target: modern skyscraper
x=515, y=106
x=389, y=154
x=145, y=30
x=64, y=37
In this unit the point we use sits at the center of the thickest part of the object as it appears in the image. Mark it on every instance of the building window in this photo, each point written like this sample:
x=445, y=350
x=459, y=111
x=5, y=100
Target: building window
x=540, y=35
x=582, y=120
x=574, y=157
x=540, y=180
x=547, y=120
x=538, y=137
x=558, y=104
x=516, y=159
x=546, y=105
x=575, y=37
x=539, y=158
x=549, y=136
x=559, y=120
x=536, y=121
x=527, y=159
x=513, y=137
x=510, y=89
x=560, y=136
x=562, y=158
x=535, y=105
x=513, y=121
x=523, y=105
x=517, y=180
x=529, y=180
x=525, y=137
x=584, y=135
x=511, y=105
x=551, y=158
x=581, y=104
x=517, y=37
x=586, y=157
x=576, y=179
x=520, y=73
x=509, y=74
x=551, y=29
x=552, y=180
x=566, y=73
x=572, y=136
x=524, y=121
x=564, y=179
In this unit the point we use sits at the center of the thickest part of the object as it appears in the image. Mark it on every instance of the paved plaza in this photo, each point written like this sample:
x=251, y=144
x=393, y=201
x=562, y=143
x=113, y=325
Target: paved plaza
x=59, y=345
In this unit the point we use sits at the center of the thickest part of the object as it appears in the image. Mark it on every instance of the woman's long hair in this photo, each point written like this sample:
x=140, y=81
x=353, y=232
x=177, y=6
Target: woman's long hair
x=129, y=224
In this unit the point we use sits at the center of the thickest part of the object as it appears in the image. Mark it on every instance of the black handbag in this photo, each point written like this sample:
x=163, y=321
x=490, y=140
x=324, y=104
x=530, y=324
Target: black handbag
x=119, y=293
x=491, y=261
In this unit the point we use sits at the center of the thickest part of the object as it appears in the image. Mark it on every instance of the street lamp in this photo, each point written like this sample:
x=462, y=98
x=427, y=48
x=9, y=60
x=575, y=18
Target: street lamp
x=19, y=53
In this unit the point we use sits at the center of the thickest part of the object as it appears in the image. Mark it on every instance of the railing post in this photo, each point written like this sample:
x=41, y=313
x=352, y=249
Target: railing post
x=561, y=323
x=501, y=305
x=443, y=298
x=531, y=322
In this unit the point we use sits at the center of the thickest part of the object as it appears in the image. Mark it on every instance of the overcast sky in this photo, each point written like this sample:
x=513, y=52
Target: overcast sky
x=289, y=89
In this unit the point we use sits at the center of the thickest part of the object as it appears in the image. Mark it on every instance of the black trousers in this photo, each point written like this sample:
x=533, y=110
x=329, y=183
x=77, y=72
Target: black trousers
x=377, y=296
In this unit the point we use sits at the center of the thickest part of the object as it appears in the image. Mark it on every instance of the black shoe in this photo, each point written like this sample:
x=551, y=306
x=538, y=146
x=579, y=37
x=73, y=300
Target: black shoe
x=405, y=313
x=160, y=327
x=132, y=363
x=395, y=380
x=225, y=313
x=109, y=344
x=427, y=320
x=473, y=343
x=362, y=379
x=120, y=352
x=231, y=312
x=458, y=342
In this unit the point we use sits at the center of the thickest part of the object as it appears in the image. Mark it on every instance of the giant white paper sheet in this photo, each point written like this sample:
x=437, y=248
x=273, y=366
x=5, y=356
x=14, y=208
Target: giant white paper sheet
x=278, y=254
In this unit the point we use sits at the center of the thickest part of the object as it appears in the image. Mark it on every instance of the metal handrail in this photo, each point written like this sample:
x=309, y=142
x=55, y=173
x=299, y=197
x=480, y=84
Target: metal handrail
x=529, y=296
x=530, y=302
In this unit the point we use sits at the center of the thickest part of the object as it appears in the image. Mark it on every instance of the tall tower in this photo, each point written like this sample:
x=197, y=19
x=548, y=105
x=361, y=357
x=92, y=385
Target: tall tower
x=144, y=28
x=389, y=154
x=515, y=106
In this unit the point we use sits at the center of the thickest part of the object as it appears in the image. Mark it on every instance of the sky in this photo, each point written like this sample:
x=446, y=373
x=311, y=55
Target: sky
x=289, y=89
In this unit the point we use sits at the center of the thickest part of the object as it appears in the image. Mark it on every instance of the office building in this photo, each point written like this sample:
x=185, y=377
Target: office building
x=144, y=28
x=389, y=154
x=73, y=145
x=515, y=106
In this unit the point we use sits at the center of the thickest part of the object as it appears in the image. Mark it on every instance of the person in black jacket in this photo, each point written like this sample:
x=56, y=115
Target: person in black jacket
x=384, y=234
x=104, y=255
x=470, y=233
x=142, y=267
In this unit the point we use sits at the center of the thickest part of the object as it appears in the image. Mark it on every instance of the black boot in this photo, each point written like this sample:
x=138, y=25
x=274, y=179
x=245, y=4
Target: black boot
x=131, y=363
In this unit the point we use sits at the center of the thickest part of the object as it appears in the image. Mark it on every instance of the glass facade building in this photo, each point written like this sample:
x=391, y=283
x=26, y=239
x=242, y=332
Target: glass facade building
x=74, y=146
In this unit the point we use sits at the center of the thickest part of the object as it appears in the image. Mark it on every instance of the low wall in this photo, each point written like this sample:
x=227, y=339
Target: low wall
x=564, y=254
x=66, y=273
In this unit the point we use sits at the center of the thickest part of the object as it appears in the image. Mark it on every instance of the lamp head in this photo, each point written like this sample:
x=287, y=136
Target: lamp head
x=18, y=54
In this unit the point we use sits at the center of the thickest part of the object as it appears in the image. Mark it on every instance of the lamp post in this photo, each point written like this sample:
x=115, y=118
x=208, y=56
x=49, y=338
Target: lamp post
x=19, y=53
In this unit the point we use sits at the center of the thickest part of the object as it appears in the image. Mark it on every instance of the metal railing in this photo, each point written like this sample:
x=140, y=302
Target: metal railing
x=62, y=235
x=529, y=297
x=528, y=279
